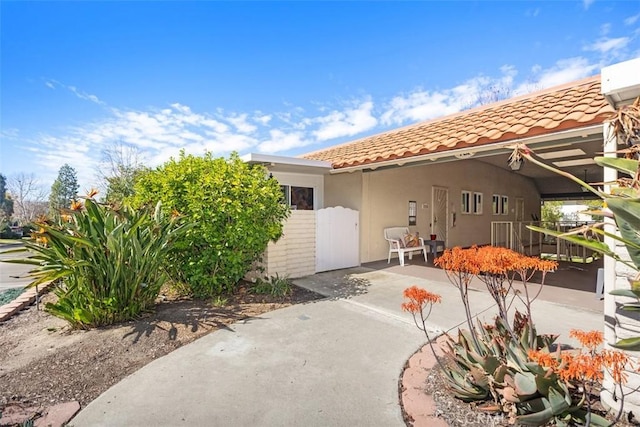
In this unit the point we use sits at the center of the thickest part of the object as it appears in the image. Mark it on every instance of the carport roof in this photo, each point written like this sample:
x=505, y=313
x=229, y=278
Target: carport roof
x=568, y=107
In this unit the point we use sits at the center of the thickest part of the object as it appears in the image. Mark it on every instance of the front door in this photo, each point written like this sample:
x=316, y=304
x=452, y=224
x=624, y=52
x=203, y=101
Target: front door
x=440, y=213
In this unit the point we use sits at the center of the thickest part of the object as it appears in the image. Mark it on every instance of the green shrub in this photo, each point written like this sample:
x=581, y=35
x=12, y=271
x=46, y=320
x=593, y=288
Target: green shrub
x=27, y=230
x=110, y=262
x=236, y=210
x=275, y=286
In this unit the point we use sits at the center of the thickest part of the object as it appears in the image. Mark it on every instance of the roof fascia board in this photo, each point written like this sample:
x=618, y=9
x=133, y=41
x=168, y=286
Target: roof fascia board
x=268, y=159
x=479, y=151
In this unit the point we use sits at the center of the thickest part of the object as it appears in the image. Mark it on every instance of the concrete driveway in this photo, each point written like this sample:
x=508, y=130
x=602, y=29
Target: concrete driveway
x=13, y=275
x=335, y=362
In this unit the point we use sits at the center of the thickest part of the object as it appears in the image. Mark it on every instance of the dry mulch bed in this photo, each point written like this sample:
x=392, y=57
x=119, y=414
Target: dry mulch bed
x=43, y=362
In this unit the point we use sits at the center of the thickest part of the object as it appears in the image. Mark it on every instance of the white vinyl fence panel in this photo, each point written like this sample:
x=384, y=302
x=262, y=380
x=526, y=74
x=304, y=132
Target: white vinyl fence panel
x=337, y=239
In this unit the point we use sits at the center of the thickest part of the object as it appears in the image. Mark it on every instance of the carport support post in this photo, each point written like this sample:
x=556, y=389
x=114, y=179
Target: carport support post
x=617, y=325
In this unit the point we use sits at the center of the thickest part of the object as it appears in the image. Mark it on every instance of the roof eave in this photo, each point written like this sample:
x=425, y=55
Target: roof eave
x=539, y=141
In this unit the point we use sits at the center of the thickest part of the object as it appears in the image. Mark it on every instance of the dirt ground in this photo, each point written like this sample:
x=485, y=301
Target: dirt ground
x=43, y=362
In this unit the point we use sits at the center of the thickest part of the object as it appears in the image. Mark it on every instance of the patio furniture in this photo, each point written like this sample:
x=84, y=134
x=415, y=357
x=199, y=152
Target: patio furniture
x=435, y=247
x=396, y=238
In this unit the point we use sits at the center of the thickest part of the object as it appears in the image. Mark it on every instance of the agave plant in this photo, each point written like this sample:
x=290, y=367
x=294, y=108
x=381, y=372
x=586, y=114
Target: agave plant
x=108, y=262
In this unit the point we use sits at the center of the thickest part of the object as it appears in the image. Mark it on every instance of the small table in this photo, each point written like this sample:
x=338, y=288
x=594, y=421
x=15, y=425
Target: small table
x=435, y=246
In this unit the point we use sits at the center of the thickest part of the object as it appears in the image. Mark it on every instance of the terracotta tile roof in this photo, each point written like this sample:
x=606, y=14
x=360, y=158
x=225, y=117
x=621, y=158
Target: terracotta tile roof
x=570, y=106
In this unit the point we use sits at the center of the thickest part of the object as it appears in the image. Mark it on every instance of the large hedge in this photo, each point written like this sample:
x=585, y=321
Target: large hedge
x=236, y=209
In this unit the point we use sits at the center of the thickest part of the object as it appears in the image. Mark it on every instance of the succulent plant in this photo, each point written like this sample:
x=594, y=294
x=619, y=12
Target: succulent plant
x=496, y=366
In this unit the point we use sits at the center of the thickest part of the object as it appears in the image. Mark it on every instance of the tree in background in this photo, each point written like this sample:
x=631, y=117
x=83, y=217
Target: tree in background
x=595, y=206
x=64, y=190
x=29, y=197
x=6, y=204
x=551, y=211
x=235, y=209
x=120, y=166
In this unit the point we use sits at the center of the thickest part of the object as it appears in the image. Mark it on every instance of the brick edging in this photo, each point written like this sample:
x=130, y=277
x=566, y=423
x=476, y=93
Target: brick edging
x=24, y=300
x=418, y=406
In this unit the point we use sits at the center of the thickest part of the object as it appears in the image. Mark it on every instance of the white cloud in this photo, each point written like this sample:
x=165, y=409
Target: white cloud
x=605, y=45
x=241, y=124
x=9, y=133
x=587, y=3
x=263, y=119
x=282, y=141
x=563, y=71
x=348, y=122
x=424, y=105
x=533, y=12
x=632, y=19
x=419, y=105
x=605, y=29
x=158, y=134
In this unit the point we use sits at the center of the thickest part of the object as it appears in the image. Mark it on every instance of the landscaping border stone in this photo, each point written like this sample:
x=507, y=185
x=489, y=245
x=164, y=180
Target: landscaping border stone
x=25, y=299
x=419, y=407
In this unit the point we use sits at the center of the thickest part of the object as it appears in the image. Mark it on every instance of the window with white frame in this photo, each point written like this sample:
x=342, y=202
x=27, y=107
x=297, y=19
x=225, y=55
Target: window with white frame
x=477, y=203
x=300, y=198
x=466, y=202
x=504, y=205
x=500, y=204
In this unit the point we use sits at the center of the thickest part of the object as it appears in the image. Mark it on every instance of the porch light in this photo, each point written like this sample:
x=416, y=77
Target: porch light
x=516, y=164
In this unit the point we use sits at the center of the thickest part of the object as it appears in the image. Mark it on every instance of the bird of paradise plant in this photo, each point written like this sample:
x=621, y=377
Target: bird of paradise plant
x=108, y=262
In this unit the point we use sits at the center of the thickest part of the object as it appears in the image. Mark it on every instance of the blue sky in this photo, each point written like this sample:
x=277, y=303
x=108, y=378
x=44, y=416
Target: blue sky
x=280, y=78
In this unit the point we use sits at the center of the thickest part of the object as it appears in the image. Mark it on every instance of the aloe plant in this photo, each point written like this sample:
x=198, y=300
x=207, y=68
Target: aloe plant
x=500, y=369
x=108, y=262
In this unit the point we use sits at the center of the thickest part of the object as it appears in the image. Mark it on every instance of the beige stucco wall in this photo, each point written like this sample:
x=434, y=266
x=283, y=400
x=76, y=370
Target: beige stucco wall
x=382, y=198
x=344, y=190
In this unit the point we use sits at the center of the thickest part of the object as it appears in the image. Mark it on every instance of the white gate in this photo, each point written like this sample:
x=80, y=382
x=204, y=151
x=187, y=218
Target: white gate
x=337, y=239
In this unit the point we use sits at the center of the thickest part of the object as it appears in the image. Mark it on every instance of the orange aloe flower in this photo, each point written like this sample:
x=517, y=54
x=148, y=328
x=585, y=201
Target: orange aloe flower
x=590, y=340
x=544, y=359
x=418, y=299
x=459, y=260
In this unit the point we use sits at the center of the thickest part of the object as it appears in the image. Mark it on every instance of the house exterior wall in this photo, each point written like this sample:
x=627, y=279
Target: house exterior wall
x=304, y=180
x=344, y=190
x=385, y=195
x=294, y=255
x=295, y=252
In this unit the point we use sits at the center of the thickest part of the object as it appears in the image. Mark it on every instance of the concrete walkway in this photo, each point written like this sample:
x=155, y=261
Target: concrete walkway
x=335, y=362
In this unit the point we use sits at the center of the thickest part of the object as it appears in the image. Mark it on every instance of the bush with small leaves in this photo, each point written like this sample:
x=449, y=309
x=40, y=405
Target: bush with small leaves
x=236, y=209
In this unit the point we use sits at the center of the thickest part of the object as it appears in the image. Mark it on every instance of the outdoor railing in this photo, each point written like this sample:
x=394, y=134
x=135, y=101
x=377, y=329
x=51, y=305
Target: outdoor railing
x=516, y=236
